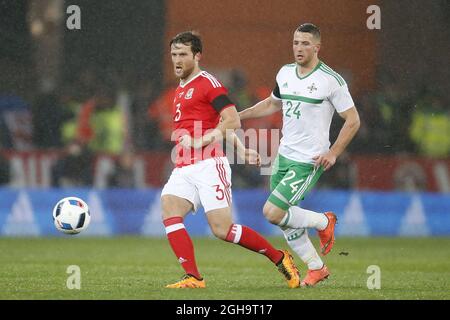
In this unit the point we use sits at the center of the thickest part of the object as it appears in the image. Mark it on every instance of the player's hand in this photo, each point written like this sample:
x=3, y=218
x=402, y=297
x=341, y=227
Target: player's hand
x=197, y=143
x=252, y=157
x=186, y=141
x=326, y=160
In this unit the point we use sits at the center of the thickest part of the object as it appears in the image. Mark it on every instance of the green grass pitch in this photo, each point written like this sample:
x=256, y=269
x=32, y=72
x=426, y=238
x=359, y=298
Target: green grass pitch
x=139, y=268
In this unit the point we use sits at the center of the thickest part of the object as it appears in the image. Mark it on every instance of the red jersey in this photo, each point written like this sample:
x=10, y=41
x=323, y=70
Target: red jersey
x=194, y=114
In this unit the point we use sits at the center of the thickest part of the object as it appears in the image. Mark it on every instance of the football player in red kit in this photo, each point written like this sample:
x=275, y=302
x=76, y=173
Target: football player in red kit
x=202, y=115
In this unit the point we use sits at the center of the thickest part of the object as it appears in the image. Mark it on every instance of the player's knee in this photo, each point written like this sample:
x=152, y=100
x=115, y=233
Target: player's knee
x=166, y=208
x=170, y=208
x=272, y=213
x=220, y=230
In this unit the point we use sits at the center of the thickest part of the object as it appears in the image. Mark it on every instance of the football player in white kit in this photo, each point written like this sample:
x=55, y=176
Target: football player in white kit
x=307, y=92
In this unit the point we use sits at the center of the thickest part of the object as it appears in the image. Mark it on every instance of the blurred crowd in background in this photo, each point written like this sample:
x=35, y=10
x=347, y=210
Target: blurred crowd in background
x=75, y=95
x=109, y=113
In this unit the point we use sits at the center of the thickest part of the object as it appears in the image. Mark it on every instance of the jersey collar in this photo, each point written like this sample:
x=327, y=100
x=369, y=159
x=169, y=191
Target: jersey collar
x=315, y=68
x=195, y=77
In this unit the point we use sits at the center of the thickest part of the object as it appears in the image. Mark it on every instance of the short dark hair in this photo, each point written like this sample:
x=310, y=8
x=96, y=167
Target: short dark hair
x=310, y=28
x=190, y=38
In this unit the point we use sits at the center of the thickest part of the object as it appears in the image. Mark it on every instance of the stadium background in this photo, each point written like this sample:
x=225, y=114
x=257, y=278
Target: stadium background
x=113, y=151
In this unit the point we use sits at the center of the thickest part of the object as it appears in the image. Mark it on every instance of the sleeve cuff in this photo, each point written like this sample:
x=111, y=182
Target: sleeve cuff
x=275, y=97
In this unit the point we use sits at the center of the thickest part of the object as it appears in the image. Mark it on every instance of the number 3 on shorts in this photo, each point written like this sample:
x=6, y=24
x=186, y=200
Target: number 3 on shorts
x=294, y=185
x=218, y=189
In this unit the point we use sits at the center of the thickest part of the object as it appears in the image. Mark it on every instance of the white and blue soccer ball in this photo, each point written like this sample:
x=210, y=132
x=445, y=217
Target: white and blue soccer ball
x=71, y=215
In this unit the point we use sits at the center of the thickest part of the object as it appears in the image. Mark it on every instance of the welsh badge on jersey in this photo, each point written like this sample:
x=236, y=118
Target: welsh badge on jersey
x=189, y=93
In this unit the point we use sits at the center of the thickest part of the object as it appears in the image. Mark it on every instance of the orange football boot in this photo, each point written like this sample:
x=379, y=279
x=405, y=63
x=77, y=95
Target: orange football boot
x=289, y=270
x=188, y=281
x=327, y=235
x=315, y=276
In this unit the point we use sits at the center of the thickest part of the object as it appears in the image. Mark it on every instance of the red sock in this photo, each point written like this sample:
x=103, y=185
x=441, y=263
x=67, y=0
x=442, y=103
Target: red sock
x=181, y=245
x=252, y=240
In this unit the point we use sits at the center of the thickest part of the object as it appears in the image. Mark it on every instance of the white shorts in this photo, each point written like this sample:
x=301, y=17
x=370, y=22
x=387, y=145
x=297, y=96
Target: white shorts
x=206, y=183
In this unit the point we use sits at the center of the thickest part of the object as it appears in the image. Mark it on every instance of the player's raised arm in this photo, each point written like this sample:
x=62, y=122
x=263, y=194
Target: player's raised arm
x=263, y=108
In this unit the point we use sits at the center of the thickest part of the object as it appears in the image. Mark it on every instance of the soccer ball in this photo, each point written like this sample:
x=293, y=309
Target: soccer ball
x=71, y=215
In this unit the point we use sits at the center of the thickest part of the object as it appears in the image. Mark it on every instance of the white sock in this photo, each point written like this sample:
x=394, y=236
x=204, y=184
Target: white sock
x=300, y=243
x=297, y=218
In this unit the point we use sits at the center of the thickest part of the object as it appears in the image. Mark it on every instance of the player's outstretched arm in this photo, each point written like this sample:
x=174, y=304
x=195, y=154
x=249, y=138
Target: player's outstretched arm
x=348, y=131
x=250, y=156
x=263, y=108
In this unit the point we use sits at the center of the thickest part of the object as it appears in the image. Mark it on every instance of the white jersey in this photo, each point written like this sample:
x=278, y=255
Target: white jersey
x=308, y=107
